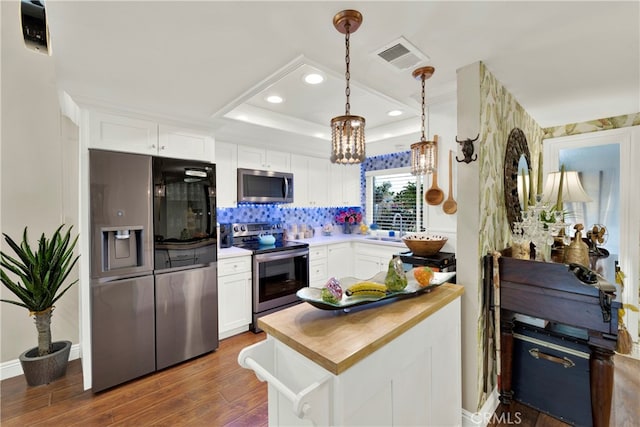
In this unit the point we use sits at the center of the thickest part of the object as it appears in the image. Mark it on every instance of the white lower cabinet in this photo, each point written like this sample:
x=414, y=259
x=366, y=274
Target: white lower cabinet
x=234, y=296
x=318, y=273
x=340, y=260
x=333, y=260
x=370, y=259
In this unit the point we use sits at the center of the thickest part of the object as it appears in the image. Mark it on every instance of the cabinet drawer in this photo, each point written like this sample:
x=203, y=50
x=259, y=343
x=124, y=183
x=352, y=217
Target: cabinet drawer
x=317, y=252
x=234, y=265
x=317, y=273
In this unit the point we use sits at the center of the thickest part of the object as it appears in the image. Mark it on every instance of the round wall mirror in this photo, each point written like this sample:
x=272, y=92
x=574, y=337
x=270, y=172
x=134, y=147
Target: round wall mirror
x=517, y=162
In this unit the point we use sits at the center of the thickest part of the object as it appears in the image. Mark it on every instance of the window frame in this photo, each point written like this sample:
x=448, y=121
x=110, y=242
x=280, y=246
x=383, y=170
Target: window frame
x=369, y=192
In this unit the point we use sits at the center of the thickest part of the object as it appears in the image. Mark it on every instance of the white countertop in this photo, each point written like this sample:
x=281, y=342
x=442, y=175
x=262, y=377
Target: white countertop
x=320, y=240
x=232, y=252
x=317, y=240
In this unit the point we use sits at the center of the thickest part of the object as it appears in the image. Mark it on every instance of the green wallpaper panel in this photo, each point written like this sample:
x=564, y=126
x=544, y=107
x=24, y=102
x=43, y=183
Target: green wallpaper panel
x=500, y=113
x=593, y=125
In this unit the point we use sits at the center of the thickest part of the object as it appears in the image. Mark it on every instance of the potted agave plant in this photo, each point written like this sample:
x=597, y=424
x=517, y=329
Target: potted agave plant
x=40, y=276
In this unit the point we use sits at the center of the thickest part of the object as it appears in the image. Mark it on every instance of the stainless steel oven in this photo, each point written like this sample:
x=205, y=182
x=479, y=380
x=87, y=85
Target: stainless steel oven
x=277, y=276
x=279, y=269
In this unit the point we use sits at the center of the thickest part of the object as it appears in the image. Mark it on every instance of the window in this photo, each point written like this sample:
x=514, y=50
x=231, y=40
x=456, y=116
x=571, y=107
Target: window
x=391, y=197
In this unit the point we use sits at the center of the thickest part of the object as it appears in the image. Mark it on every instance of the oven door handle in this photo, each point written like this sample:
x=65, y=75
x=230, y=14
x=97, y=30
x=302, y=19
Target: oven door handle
x=273, y=256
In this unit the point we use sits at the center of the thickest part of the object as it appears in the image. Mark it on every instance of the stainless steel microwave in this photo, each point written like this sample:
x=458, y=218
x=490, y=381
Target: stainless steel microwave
x=259, y=186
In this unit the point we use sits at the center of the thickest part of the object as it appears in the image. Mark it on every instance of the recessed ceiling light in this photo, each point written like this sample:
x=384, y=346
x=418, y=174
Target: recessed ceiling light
x=313, y=78
x=274, y=99
x=318, y=135
x=394, y=113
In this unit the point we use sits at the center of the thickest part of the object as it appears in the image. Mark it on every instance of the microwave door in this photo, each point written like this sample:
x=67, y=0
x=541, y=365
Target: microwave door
x=264, y=186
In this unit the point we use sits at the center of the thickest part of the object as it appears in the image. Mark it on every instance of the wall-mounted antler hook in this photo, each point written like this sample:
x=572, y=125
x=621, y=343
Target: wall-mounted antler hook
x=467, y=150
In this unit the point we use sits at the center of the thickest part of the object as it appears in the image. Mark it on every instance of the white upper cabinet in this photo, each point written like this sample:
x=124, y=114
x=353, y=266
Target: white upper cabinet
x=120, y=133
x=132, y=135
x=259, y=158
x=183, y=143
x=226, y=174
x=344, y=185
x=310, y=181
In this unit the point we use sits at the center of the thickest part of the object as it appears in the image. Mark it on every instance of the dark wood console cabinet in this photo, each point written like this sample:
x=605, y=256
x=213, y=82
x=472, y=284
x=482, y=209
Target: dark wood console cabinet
x=552, y=292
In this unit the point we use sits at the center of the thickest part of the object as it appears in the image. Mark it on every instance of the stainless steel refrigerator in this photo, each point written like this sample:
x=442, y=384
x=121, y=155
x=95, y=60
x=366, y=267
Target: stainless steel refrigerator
x=185, y=248
x=148, y=315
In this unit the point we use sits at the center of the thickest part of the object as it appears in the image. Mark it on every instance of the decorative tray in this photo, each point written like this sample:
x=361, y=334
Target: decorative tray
x=314, y=295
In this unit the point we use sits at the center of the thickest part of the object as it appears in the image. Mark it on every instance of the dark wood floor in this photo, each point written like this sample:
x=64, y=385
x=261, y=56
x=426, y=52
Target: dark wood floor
x=522, y=416
x=212, y=390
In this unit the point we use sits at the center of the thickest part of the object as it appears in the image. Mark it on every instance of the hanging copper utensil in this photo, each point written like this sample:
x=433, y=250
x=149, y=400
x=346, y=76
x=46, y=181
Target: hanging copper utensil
x=450, y=206
x=434, y=195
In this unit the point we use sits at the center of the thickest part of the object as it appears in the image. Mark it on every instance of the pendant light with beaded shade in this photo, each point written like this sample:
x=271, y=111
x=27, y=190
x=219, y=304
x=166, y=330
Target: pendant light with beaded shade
x=423, y=152
x=347, y=131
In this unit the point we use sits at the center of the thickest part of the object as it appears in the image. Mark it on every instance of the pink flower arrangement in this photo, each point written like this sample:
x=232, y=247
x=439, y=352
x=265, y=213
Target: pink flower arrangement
x=350, y=216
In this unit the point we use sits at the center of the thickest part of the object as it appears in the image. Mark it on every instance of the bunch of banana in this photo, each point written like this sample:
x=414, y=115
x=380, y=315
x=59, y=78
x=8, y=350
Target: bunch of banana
x=367, y=289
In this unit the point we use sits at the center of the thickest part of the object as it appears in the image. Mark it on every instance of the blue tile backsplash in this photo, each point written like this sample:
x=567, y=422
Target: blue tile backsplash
x=316, y=217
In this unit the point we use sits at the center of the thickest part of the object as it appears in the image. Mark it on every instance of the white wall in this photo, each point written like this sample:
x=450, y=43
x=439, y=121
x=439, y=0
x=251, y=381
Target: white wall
x=37, y=187
x=468, y=245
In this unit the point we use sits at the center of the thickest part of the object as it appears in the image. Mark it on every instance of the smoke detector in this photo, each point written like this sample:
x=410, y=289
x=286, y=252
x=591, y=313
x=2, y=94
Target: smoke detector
x=401, y=54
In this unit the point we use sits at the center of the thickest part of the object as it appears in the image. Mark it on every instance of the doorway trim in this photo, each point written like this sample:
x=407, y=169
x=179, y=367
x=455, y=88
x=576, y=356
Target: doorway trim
x=628, y=140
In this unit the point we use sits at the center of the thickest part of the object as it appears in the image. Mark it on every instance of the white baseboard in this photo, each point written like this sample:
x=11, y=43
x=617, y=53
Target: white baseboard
x=484, y=415
x=232, y=332
x=12, y=368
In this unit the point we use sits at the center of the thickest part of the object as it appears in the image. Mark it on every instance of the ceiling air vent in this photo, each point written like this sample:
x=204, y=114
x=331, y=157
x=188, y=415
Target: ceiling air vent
x=401, y=54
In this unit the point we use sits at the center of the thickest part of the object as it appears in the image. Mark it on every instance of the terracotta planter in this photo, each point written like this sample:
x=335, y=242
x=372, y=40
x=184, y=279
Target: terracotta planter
x=40, y=370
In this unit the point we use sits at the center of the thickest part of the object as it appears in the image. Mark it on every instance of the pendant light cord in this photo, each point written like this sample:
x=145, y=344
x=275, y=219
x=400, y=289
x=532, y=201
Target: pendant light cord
x=347, y=74
x=423, y=138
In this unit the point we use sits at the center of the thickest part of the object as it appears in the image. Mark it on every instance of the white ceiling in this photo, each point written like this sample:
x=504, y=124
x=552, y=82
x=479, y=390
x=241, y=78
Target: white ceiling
x=208, y=62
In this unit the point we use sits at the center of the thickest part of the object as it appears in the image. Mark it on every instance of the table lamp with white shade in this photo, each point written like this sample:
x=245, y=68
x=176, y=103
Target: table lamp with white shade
x=572, y=191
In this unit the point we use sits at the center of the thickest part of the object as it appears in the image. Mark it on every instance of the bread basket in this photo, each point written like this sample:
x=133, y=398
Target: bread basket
x=424, y=244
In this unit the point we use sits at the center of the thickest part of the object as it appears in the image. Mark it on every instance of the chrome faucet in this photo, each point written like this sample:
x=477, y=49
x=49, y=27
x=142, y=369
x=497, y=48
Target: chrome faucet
x=393, y=225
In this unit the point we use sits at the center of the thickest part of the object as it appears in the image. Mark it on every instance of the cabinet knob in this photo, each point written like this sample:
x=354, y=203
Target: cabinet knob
x=162, y=147
x=153, y=145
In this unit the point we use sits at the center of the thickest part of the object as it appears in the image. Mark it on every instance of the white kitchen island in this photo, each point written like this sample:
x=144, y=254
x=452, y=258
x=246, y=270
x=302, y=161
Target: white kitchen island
x=396, y=363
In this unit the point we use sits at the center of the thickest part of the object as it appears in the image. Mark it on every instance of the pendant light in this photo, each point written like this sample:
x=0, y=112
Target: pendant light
x=347, y=132
x=423, y=152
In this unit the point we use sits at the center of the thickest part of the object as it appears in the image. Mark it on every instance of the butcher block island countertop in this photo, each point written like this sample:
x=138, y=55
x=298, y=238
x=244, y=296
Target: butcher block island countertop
x=337, y=340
